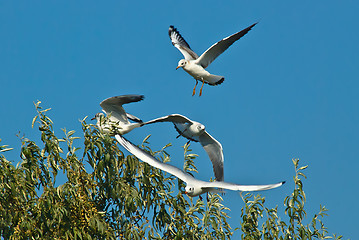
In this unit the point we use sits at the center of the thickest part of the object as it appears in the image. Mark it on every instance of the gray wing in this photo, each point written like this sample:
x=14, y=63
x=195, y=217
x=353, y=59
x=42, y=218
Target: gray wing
x=181, y=44
x=113, y=106
x=218, y=48
x=148, y=158
x=238, y=187
x=174, y=118
x=215, y=153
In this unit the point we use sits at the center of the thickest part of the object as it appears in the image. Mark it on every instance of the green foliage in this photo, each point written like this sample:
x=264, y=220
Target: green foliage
x=275, y=228
x=32, y=207
x=107, y=195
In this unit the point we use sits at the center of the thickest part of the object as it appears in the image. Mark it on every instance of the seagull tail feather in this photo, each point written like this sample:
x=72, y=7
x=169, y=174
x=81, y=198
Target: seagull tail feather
x=214, y=80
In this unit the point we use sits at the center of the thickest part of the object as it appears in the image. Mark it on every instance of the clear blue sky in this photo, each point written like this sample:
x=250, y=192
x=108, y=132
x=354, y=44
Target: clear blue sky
x=291, y=88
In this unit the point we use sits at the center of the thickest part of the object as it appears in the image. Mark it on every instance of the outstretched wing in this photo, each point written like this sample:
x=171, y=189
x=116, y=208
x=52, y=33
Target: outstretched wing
x=174, y=118
x=113, y=106
x=181, y=44
x=148, y=158
x=238, y=187
x=215, y=154
x=218, y=48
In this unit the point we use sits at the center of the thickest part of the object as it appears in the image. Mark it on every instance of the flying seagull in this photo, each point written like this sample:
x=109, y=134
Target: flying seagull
x=194, y=186
x=117, y=120
x=195, y=65
x=196, y=131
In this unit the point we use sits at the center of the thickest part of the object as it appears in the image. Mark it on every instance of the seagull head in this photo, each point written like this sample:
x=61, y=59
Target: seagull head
x=196, y=128
x=98, y=116
x=192, y=191
x=201, y=128
x=181, y=63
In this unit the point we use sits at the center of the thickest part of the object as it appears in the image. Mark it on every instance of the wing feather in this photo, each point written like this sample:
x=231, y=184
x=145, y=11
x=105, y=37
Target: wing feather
x=215, y=154
x=148, y=158
x=181, y=44
x=239, y=187
x=218, y=48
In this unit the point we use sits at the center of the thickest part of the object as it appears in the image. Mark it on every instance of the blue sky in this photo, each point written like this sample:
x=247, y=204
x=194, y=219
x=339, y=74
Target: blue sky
x=291, y=88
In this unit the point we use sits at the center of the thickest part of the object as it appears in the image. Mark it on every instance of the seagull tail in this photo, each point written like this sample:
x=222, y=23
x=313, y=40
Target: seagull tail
x=214, y=80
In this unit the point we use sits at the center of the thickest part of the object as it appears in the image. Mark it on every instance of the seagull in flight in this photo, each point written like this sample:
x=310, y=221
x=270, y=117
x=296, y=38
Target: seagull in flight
x=194, y=187
x=195, y=131
x=195, y=65
x=117, y=120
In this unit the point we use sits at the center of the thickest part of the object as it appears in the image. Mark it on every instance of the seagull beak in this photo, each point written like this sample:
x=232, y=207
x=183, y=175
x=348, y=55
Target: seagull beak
x=93, y=118
x=186, y=192
x=178, y=67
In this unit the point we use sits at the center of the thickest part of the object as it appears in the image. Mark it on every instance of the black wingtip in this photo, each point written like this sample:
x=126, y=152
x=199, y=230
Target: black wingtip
x=246, y=30
x=283, y=182
x=136, y=97
x=171, y=29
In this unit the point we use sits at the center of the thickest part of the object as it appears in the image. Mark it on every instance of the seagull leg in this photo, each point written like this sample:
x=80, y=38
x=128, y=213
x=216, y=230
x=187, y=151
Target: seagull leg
x=200, y=197
x=194, y=89
x=200, y=92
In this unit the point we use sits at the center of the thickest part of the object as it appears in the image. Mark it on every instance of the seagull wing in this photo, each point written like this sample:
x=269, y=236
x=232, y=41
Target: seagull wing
x=215, y=153
x=113, y=106
x=218, y=48
x=238, y=187
x=181, y=44
x=180, y=123
x=148, y=158
x=133, y=118
x=174, y=118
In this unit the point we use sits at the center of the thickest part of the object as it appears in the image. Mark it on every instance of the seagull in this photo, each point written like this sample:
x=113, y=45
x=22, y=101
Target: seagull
x=117, y=117
x=195, y=131
x=194, y=187
x=195, y=65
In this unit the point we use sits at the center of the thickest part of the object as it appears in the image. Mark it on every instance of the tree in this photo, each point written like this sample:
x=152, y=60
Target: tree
x=108, y=195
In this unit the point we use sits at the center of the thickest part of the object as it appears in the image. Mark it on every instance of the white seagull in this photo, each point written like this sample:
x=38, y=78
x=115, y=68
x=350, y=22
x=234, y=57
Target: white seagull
x=194, y=186
x=117, y=120
x=196, y=131
x=195, y=65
